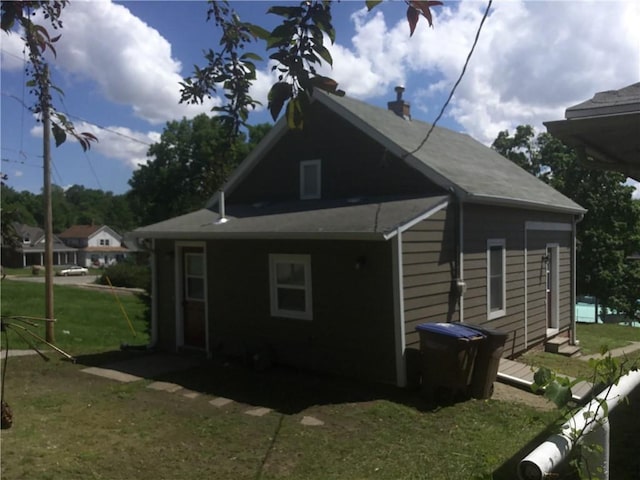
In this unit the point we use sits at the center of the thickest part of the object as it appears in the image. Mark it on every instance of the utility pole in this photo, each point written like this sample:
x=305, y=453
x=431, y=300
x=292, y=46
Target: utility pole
x=48, y=209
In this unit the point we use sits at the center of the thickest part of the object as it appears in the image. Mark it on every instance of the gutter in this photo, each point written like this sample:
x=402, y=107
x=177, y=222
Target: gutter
x=592, y=421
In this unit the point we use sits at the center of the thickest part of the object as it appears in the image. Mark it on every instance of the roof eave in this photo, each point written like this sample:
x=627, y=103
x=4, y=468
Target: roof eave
x=512, y=202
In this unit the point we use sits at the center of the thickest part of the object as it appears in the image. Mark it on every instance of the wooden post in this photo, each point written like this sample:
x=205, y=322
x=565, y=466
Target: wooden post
x=48, y=209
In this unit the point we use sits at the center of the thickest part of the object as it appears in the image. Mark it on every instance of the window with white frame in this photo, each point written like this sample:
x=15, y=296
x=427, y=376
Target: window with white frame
x=310, y=179
x=496, y=278
x=290, y=286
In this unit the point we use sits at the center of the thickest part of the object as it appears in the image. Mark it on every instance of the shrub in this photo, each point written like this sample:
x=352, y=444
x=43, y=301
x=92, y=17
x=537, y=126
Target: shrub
x=127, y=275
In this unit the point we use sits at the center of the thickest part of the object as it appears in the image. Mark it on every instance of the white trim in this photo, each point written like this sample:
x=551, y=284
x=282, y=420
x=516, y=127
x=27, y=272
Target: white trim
x=554, y=309
x=423, y=216
x=317, y=193
x=305, y=260
x=398, y=310
x=549, y=226
x=526, y=289
x=461, y=257
x=497, y=242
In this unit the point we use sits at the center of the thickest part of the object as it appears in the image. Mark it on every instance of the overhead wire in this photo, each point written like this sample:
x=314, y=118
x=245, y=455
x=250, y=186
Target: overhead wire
x=455, y=86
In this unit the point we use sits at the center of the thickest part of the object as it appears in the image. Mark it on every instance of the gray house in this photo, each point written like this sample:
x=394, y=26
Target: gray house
x=330, y=245
x=30, y=249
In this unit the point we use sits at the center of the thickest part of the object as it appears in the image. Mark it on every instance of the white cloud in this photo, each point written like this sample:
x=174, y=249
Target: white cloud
x=121, y=143
x=130, y=61
x=12, y=52
x=533, y=59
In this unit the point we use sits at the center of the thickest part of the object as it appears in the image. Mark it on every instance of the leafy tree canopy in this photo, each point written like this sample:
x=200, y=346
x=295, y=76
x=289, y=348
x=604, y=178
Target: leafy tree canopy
x=609, y=232
x=296, y=45
x=188, y=165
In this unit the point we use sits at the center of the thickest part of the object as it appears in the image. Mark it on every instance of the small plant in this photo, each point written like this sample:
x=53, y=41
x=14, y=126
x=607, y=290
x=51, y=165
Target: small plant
x=128, y=275
x=606, y=373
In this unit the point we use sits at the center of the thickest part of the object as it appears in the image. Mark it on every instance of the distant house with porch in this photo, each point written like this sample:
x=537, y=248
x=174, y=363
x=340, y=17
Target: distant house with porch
x=30, y=249
x=97, y=245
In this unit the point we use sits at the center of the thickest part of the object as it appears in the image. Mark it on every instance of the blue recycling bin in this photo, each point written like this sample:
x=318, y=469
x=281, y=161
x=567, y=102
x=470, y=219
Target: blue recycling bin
x=448, y=353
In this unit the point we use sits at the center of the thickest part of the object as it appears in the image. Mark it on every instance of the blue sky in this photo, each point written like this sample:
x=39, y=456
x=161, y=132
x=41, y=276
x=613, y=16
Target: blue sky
x=119, y=64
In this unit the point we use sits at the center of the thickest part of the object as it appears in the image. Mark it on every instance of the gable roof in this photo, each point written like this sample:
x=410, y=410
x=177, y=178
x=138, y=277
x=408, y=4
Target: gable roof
x=86, y=231
x=605, y=130
x=359, y=218
x=453, y=160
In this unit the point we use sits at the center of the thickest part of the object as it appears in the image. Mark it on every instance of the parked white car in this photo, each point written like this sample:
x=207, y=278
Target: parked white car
x=66, y=270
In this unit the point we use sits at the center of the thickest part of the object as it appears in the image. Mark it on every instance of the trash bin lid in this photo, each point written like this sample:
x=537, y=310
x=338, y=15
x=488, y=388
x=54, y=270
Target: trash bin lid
x=455, y=330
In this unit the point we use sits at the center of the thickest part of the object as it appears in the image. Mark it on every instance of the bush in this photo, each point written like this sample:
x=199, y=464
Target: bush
x=127, y=275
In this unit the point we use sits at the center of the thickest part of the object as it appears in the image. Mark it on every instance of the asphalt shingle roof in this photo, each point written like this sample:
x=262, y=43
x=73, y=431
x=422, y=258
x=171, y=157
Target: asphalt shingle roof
x=453, y=159
x=372, y=218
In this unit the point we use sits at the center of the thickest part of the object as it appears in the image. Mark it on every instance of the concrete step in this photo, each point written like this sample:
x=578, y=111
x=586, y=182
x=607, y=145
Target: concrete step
x=569, y=351
x=553, y=345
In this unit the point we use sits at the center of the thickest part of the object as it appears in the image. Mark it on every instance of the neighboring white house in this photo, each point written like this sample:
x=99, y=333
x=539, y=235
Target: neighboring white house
x=98, y=245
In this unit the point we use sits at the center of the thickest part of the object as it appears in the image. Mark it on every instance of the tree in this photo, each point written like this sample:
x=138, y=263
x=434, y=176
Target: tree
x=297, y=47
x=188, y=165
x=610, y=230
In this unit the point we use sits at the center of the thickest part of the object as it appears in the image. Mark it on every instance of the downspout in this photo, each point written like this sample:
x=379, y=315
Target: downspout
x=398, y=306
x=461, y=286
x=574, y=234
x=592, y=421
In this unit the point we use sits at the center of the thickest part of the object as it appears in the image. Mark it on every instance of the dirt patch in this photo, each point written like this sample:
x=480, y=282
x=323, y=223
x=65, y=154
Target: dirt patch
x=508, y=393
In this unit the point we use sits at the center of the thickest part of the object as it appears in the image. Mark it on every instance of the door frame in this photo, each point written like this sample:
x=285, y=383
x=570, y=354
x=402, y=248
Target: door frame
x=179, y=291
x=552, y=285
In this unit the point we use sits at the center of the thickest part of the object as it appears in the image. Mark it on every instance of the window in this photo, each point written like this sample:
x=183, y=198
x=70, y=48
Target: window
x=194, y=276
x=104, y=241
x=310, y=179
x=290, y=285
x=496, y=279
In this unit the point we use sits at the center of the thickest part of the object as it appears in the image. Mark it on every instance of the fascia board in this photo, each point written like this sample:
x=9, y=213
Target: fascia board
x=423, y=216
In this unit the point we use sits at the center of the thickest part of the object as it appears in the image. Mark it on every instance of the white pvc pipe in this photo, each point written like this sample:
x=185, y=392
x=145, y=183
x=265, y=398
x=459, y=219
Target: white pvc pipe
x=591, y=418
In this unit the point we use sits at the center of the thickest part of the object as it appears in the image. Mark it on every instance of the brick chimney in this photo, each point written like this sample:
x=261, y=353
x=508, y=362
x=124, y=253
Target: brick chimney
x=399, y=106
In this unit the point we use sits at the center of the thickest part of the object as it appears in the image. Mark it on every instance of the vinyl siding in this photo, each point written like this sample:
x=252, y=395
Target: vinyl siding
x=482, y=223
x=428, y=267
x=165, y=297
x=352, y=330
x=352, y=165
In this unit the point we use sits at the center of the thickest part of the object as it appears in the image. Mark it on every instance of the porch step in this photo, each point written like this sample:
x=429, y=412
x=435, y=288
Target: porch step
x=560, y=345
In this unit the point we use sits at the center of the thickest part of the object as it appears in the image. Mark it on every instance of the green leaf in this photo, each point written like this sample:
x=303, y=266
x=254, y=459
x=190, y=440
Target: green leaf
x=252, y=56
x=542, y=377
x=324, y=53
x=286, y=12
x=258, y=31
x=58, y=134
x=278, y=94
x=371, y=4
x=558, y=394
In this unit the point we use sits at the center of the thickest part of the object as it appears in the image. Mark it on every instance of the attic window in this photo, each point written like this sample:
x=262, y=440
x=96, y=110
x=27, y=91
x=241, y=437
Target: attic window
x=310, y=179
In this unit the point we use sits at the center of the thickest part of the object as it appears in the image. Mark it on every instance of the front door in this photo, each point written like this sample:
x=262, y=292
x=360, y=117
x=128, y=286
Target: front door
x=193, y=315
x=552, y=265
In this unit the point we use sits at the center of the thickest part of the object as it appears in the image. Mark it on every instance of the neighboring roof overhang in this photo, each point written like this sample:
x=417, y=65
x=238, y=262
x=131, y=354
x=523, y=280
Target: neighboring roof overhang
x=351, y=219
x=605, y=131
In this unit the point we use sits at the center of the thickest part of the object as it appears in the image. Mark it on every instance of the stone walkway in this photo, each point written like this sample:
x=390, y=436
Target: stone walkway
x=174, y=388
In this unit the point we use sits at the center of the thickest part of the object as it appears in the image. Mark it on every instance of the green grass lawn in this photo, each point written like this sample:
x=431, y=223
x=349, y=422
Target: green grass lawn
x=86, y=320
x=72, y=425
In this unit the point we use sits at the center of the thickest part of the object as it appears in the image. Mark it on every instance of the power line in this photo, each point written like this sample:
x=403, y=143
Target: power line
x=106, y=129
x=455, y=86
